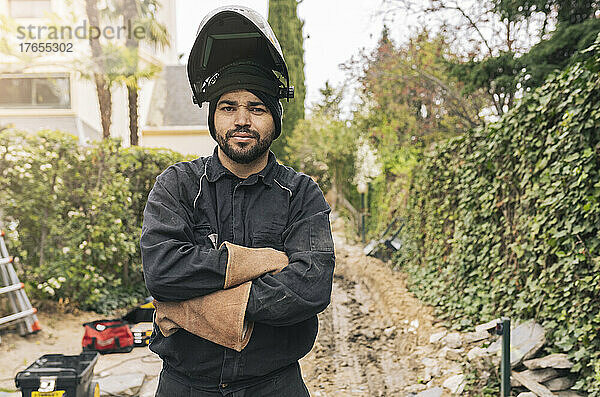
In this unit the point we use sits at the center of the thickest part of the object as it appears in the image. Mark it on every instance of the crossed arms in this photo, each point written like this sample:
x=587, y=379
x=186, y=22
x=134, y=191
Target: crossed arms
x=219, y=293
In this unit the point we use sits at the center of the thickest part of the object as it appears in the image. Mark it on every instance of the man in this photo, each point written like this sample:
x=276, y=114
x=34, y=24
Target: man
x=236, y=248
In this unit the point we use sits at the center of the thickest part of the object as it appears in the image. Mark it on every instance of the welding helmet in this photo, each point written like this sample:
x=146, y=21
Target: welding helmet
x=234, y=35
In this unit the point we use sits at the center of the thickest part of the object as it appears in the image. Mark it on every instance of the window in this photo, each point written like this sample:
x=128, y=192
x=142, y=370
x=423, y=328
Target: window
x=29, y=8
x=35, y=92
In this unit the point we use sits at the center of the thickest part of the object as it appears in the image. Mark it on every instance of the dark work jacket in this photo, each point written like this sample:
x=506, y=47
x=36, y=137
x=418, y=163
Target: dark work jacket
x=194, y=207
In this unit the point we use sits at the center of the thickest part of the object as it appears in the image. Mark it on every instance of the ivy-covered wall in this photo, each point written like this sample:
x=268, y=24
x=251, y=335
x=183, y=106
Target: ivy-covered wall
x=505, y=220
x=74, y=215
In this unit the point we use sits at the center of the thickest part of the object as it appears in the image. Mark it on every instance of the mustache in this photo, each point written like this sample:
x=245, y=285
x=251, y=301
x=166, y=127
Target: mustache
x=245, y=130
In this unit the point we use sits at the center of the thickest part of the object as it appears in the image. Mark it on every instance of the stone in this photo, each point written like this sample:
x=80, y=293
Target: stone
x=452, y=340
x=369, y=334
x=415, y=388
x=452, y=369
x=531, y=384
x=558, y=384
x=487, y=326
x=6, y=394
x=149, y=387
x=121, y=385
x=525, y=340
x=485, y=375
x=413, y=326
x=429, y=362
x=476, y=352
x=432, y=369
x=567, y=393
x=424, y=350
x=426, y=378
x=442, y=352
x=557, y=361
x=435, y=338
x=432, y=372
x=471, y=337
x=389, y=332
x=455, y=354
x=538, y=375
x=527, y=394
x=434, y=392
x=455, y=384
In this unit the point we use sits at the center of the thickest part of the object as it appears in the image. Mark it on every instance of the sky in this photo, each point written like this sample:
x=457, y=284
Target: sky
x=334, y=31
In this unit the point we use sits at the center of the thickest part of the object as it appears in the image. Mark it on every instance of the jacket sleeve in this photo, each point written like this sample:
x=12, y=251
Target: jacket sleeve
x=303, y=288
x=175, y=268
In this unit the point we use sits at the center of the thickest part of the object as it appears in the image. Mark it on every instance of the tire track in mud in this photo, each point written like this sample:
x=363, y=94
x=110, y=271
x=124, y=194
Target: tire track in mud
x=351, y=353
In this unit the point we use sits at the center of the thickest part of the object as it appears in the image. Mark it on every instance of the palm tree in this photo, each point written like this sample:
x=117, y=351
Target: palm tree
x=102, y=83
x=137, y=13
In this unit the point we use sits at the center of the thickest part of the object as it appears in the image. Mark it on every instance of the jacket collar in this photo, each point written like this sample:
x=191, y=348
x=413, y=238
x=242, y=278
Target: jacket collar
x=215, y=170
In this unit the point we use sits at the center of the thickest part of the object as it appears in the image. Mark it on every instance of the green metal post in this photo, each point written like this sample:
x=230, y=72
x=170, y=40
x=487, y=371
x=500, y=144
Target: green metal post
x=362, y=221
x=505, y=364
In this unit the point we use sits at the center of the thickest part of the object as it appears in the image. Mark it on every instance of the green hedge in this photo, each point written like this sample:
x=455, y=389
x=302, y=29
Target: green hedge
x=505, y=220
x=74, y=215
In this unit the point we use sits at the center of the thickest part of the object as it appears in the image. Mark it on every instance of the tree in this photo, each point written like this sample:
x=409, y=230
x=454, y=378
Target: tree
x=477, y=32
x=287, y=26
x=408, y=97
x=408, y=103
x=74, y=214
x=121, y=63
x=564, y=48
x=323, y=146
x=330, y=104
x=129, y=69
x=492, y=37
x=102, y=83
x=576, y=30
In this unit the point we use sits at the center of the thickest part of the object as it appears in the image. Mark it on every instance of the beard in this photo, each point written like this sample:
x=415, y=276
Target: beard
x=244, y=153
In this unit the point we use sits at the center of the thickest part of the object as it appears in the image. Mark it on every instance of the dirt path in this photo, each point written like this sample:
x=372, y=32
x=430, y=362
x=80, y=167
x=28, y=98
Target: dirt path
x=374, y=335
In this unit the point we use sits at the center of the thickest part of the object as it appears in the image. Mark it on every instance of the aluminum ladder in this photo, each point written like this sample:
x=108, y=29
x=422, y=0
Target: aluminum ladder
x=23, y=314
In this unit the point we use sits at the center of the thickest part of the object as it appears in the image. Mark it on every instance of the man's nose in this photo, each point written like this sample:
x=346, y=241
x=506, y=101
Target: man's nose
x=242, y=116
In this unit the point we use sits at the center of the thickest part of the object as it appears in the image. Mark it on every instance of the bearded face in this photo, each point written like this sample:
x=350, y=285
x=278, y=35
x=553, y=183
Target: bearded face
x=244, y=126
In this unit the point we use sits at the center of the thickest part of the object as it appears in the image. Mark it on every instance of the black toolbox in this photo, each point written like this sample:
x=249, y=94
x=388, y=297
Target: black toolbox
x=57, y=375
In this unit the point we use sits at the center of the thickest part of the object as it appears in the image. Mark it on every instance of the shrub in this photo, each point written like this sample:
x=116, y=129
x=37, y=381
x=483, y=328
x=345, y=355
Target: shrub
x=505, y=220
x=74, y=215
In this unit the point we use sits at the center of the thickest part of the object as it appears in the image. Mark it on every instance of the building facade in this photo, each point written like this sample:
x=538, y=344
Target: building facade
x=46, y=83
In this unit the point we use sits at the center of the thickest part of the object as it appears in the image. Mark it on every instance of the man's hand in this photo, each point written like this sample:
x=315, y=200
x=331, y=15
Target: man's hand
x=245, y=264
x=219, y=316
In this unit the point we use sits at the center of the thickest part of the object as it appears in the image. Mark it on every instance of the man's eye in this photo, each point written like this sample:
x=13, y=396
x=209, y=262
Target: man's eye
x=258, y=110
x=228, y=109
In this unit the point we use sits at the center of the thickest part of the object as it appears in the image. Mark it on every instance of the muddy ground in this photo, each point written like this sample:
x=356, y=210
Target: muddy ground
x=374, y=335
x=372, y=338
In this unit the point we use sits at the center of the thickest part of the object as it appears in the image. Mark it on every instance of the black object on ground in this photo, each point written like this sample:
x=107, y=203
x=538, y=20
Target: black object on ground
x=142, y=314
x=141, y=333
x=140, y=320
x=57, y=375
x=384, y=247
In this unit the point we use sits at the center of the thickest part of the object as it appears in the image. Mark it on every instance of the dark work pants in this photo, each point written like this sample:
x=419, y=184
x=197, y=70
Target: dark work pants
x=286, y=383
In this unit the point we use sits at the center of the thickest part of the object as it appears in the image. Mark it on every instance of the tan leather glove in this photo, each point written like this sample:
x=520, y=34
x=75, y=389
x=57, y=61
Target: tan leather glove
x=245, y=264
x=218, y=317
